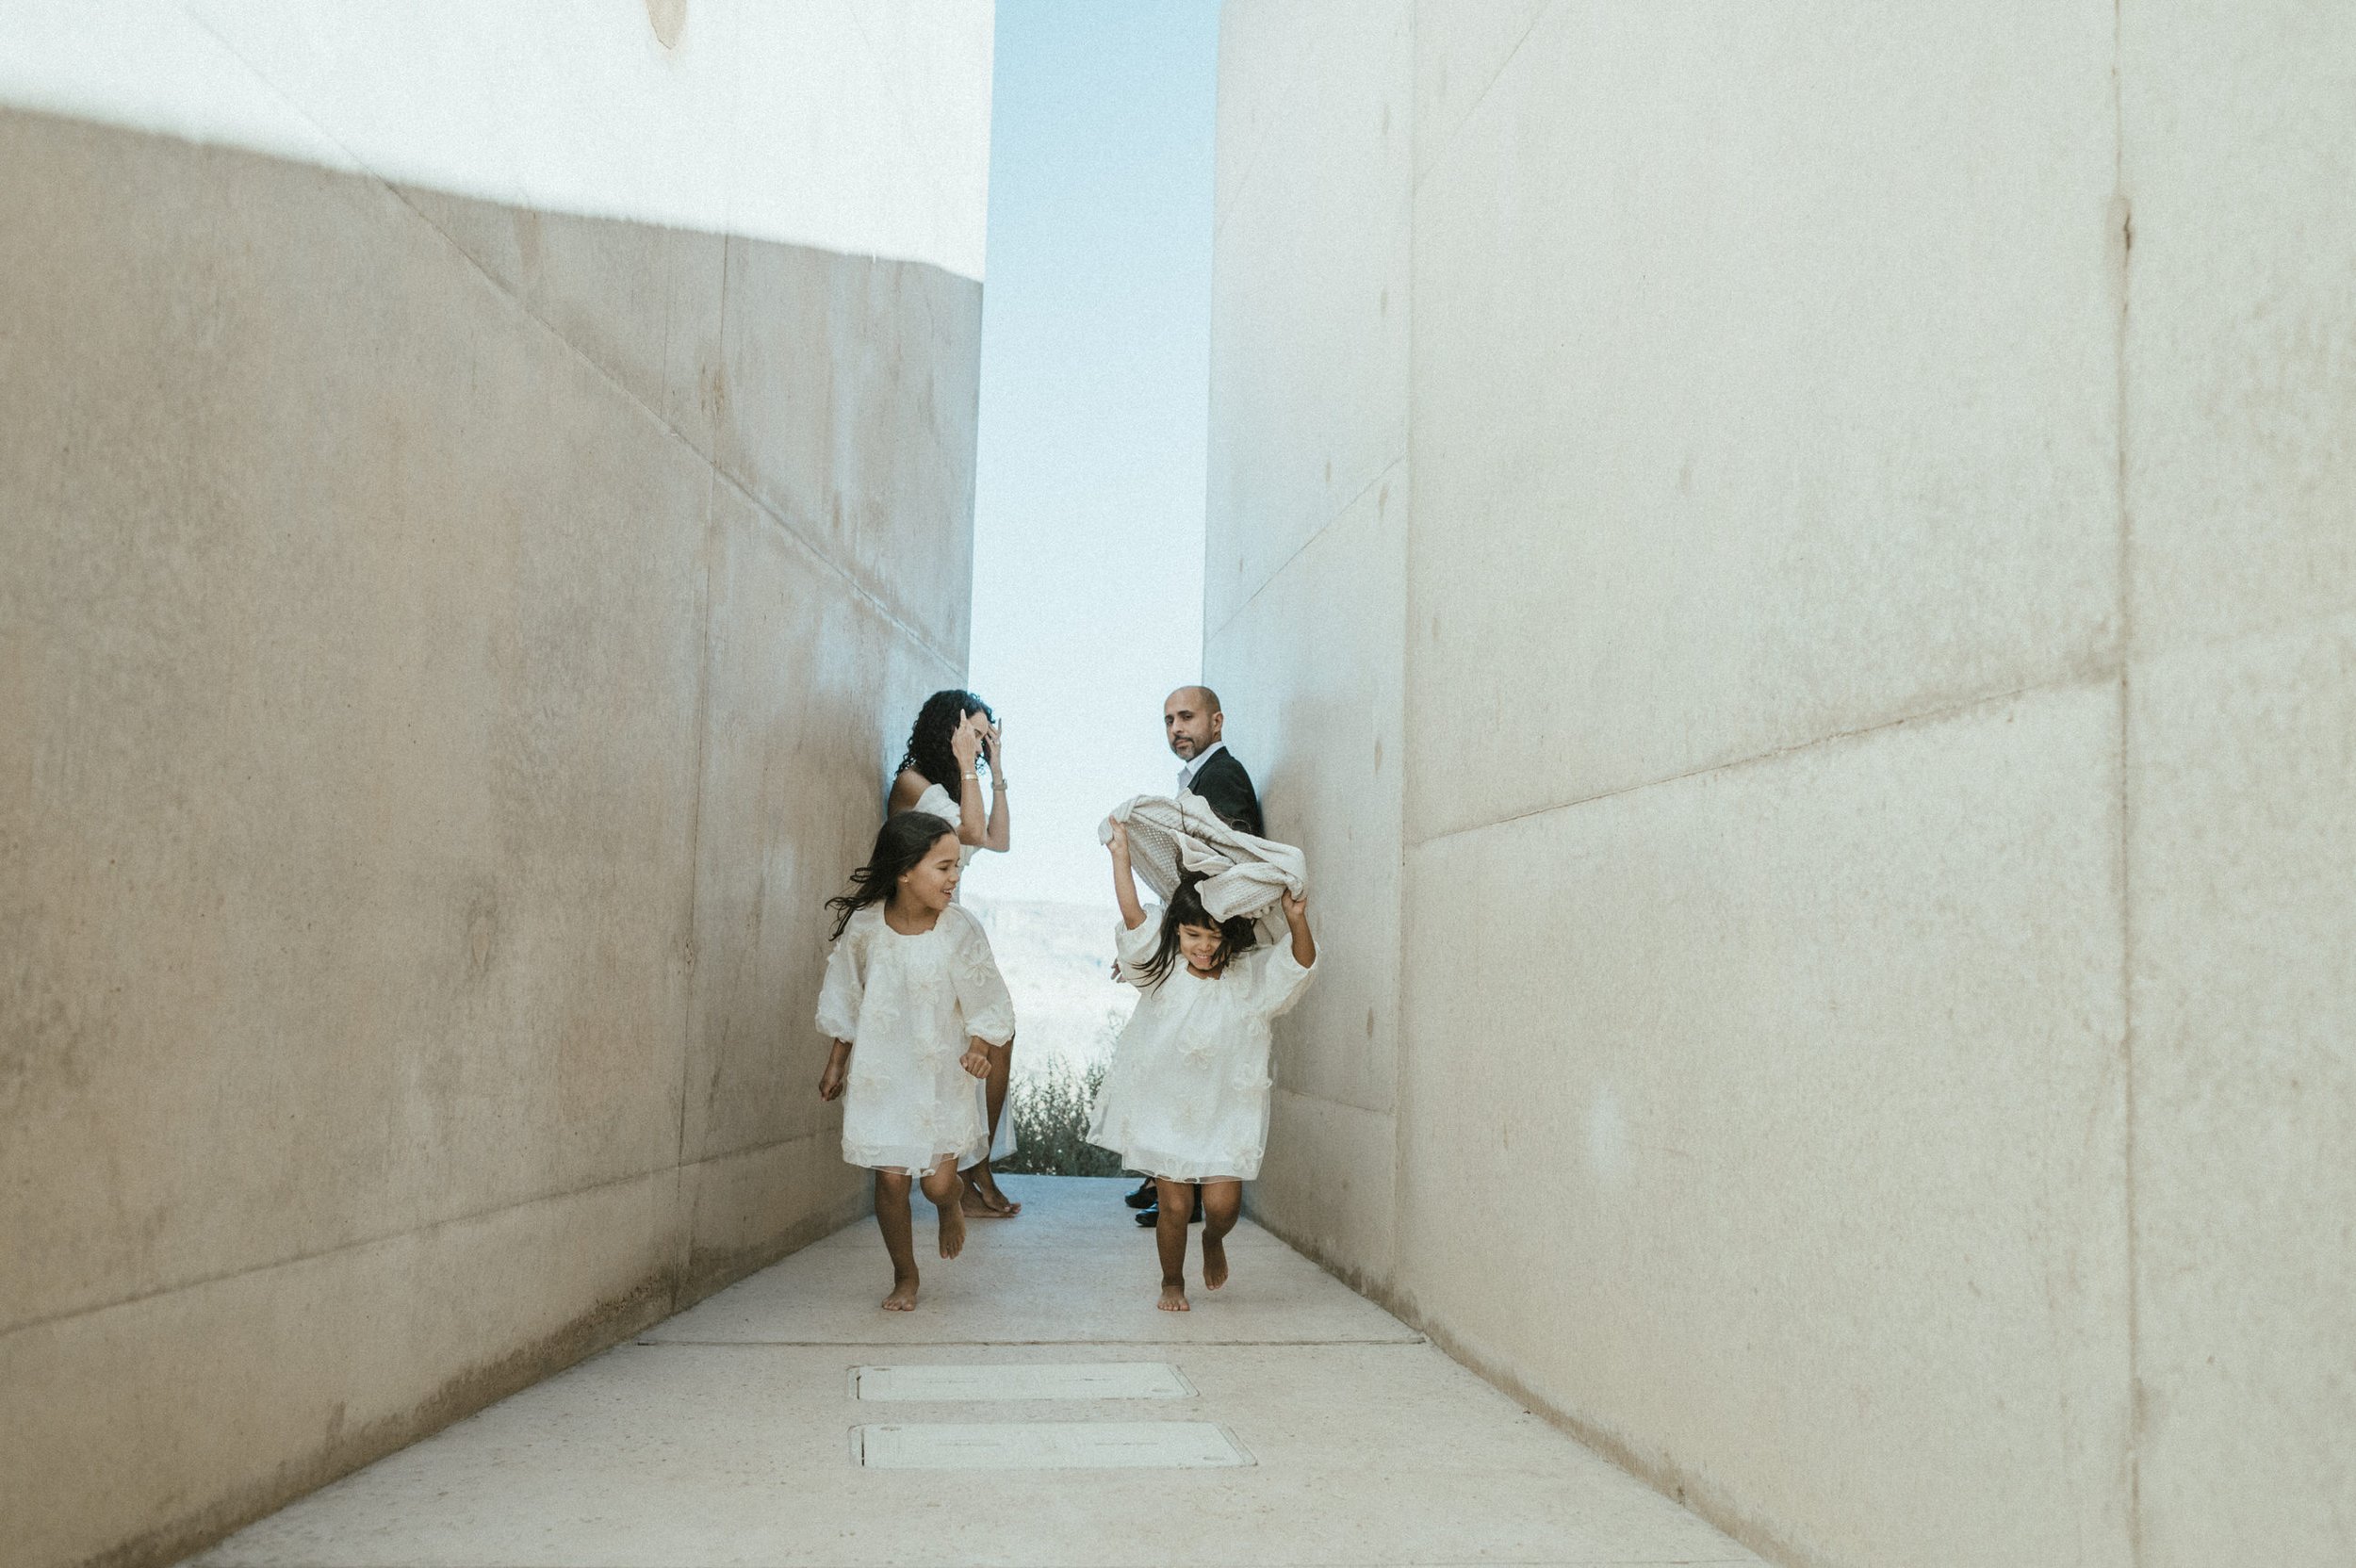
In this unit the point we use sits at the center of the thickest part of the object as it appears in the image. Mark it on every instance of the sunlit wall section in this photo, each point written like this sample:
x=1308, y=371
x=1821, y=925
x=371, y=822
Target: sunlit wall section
x=480, y=495
x=1305, y=568
x=1871, y=1040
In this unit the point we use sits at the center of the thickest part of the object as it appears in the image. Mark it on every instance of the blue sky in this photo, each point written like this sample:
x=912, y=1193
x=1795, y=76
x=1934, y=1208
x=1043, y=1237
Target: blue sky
x=1087, y=548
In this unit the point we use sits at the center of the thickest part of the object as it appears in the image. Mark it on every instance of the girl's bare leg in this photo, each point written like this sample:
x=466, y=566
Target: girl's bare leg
x=945, y=1191
x=892, y=1218
x=987, y=1201
x=1222, y=1203
x=1169, y=1240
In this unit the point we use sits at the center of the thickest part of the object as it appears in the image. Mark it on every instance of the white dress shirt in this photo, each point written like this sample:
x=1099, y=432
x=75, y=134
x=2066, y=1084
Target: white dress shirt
x=1186, y=774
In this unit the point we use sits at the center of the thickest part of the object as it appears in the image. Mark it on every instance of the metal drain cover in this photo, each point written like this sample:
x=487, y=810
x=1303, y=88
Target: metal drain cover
x=1104, y=1380
x=1047, y=1445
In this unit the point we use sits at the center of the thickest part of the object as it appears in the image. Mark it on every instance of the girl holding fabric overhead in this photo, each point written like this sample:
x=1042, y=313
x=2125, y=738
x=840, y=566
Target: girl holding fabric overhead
x=1186, y=1099
x=912, y=1000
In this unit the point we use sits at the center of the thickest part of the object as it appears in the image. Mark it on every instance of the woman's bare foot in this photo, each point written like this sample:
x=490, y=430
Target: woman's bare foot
x=984, y=1186
x=1214, y=1262
x=952, y=1229
x=1173, y=1299
x=903, y=1297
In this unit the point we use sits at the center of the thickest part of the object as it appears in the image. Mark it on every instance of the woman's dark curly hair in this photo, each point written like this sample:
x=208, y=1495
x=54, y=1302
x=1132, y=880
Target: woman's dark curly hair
x=1236, y=934
x=929, y=751
x=902, y=841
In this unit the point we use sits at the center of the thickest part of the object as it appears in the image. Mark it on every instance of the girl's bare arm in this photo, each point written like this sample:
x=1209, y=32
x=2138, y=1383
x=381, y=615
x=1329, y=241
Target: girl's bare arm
x=1297, y=921
x=1124, y=884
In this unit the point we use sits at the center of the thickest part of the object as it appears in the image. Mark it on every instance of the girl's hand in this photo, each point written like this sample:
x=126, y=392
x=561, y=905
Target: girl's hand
x=1296, y=908
x=966, y=746
x=975, y=1060
x=1118, y=843
x=830, y=1081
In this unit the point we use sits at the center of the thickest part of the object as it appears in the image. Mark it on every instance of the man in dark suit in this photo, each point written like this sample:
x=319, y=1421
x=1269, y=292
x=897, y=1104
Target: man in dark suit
x=1193, y=722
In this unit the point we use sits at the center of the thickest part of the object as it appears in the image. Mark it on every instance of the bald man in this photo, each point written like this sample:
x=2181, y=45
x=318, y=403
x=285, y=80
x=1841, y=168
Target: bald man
x=1192, y=721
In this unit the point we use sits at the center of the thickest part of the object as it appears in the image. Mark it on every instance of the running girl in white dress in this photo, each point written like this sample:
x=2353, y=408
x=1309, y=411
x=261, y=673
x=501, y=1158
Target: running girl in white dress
x=913, y=1000
x=1186, y=1096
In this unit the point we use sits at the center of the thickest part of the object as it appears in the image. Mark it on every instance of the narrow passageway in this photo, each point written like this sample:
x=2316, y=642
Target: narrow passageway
x=736, y=1433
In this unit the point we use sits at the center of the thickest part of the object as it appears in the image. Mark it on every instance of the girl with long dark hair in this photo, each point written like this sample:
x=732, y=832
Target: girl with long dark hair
x=957, y=738
x=914, y=1003
x=1186, y=1098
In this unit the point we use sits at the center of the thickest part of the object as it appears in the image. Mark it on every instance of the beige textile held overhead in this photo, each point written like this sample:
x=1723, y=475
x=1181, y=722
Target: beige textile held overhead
x=1242, y=876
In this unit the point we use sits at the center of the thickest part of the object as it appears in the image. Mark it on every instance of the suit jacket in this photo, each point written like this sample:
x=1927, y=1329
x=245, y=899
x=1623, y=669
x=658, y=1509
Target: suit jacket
x=1227, y=789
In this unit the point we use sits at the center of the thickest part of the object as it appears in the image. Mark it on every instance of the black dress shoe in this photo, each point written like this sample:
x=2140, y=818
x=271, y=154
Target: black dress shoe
x=1144, y=1197
x=1152, y=1216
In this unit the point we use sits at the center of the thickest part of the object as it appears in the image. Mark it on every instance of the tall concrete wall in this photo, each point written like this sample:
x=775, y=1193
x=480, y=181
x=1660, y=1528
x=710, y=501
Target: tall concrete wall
x=448, y=650
x=1872, y=649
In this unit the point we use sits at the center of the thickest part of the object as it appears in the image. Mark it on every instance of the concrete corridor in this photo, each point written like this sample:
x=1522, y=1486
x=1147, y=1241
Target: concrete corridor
x=731, y=1434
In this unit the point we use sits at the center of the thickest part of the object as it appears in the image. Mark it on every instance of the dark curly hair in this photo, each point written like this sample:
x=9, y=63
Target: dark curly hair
x=1238, y=934
x=928, y=750
x=903, y=841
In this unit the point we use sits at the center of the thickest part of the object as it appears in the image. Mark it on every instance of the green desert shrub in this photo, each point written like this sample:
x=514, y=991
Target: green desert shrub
x=1051, y=1123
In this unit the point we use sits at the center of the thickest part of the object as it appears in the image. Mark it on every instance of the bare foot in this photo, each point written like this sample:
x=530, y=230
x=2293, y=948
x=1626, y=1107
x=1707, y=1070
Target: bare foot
x=994, y=1204
x=1214, y=1263
x=903, y=1297
x=974, y=1206
x=952, y=1229
x=1173, y=1299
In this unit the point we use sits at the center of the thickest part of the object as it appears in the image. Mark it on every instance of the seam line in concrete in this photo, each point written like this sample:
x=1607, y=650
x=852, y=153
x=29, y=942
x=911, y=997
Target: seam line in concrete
x=379, y=1239
x=1302, y=549
x=2126, y=217
x=1174, y=1347
x=680, y=1199
x=1251, y=154
x=1440, y=154
x=2105, y=676
x=648, y=410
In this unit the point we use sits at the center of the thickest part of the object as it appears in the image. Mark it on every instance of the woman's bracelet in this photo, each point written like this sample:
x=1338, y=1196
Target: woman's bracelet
x=997, y=781
x=974, y=777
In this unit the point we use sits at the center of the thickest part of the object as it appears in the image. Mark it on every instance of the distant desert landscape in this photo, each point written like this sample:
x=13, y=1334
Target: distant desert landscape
x=1057, y=960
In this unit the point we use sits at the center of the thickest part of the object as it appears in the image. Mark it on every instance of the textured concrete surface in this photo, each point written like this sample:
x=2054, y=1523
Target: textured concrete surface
x=723, y=1435
x=2240, y=465
x=1872, y=1038
x=431, y=729
x=1308, y=514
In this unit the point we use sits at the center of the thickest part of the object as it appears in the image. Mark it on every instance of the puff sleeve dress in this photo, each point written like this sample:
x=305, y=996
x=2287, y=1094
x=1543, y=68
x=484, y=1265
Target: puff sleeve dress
x=907, y=1005
x=1186, y=1095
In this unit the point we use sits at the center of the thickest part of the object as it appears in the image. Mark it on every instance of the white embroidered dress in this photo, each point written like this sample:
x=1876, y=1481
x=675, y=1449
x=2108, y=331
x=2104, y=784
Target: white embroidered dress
x=907, y=1004
x=1187, y=1096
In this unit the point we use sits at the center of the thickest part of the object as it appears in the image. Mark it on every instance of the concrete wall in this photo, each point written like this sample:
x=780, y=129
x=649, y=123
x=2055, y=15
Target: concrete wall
x=448, y=650
x=1868, y=1036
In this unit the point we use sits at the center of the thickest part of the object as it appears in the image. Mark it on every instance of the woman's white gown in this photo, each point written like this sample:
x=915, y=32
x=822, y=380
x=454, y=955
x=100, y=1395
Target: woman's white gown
x=935, y=800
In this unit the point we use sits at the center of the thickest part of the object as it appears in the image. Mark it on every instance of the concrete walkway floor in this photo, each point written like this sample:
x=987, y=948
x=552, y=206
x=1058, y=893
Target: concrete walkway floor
x=734, y=1433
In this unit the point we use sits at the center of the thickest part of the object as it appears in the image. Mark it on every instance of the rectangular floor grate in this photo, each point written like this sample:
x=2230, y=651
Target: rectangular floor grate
x=1105, y=1379
x=1049, y=1445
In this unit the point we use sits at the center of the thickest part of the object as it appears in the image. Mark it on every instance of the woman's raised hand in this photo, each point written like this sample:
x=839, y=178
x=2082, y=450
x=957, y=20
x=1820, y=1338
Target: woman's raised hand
x=1296, y=908
x=1118, y=843
x=994, y=748
x=966, y=744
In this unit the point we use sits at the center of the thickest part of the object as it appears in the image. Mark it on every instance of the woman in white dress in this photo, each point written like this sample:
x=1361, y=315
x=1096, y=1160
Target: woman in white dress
x=955, y=739
x=913, y=1002
x=1186, y=1096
